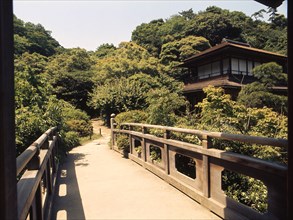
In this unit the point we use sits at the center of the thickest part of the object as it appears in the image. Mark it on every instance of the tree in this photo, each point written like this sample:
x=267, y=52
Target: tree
x=162, y=106
x=259, y=94
x=127, y=60
x=148, y=36
x=214, y=24
x=105, y=50
x=70, y=75
x=188, y=15
x=173, y=53
x=33, y=38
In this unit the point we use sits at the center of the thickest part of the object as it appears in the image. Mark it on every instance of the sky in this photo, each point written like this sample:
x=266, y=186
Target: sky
x=90, y=23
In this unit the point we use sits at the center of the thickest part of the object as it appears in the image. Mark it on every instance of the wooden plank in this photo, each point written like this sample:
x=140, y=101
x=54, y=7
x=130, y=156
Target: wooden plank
x=8, y=193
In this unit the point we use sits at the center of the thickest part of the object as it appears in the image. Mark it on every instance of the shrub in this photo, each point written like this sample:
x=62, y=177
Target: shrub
x=134, y=116
x=82, y=127
x=123, y=142
x=70, y=140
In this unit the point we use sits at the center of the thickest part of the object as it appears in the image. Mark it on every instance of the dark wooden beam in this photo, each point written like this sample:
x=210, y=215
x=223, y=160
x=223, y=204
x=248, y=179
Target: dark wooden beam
x=290, y=110
x=271, y=3
x=7, y=129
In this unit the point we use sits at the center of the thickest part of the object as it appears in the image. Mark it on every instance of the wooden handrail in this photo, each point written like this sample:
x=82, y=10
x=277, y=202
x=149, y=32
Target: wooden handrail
x=24, y=158
x=210, y=162
x=277, y=142
x=38, y=166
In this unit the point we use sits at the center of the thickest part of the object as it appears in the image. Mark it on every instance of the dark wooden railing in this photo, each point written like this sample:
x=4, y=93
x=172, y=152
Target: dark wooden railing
x=206, y=187
x=37, y=166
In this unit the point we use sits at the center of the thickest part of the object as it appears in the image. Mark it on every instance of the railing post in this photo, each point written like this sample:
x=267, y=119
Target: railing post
x=34, y=163
x=130, y=141
x=38, y=201
x=166, y=152
x=112, y=121
x=54, y=154
x=144, y=153
x=206, y=143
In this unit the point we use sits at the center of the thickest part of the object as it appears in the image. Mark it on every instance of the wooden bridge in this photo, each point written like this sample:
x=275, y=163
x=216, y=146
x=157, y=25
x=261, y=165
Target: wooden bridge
x=97, y=183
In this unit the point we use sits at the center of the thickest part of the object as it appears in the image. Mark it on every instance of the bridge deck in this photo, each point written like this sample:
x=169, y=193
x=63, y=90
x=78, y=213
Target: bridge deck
x=97, y=183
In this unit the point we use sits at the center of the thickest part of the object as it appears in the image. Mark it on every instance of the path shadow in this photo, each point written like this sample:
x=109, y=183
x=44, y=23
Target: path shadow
x=67, y=202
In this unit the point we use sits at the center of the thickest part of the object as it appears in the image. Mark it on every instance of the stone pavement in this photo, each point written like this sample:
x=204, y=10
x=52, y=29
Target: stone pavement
x=97, y=183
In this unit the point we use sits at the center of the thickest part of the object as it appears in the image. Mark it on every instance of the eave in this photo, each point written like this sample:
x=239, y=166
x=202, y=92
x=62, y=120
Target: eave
x=271, y=3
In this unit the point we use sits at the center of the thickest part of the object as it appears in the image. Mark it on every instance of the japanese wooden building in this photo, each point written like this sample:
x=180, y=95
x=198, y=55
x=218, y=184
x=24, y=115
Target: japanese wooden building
x=228, y=65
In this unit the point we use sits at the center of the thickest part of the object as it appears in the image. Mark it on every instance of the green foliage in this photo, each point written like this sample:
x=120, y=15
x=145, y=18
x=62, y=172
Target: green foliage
x=162, y=106
x=174, y=52
x=127, y=60
x=155, y=154
x=148, y=36
x=220, y=113
x=74, y=87
x=246, y=190
x=125, y=80
x=123, y=142
x=37, y=109
x=134, y=116
x=71, y=77
x=270, y=74
x=214, y=24
x=105, y=50
x=259, y=94
x=33, y=39
x=70, y=139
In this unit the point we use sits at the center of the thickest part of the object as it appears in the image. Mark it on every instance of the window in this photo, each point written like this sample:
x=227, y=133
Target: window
x=226, y=66
x=204, y=71
x=216, y=68
x=234, y=66
x=249, y=67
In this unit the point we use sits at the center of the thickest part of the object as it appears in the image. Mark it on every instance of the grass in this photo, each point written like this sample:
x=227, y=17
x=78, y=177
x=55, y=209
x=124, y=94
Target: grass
x=85, y=140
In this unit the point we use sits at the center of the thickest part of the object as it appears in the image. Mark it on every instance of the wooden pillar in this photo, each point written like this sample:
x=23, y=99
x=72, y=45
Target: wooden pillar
x=290, y=109
x=166, y=153
x=206, y=143
x=112, y=129
x=8, y=194
x=143, y=145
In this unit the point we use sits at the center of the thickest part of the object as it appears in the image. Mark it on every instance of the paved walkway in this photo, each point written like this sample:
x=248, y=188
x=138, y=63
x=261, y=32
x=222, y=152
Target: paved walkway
x=97, y=183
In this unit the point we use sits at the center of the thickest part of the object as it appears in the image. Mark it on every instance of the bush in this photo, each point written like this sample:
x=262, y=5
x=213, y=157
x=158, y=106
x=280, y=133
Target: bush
x=123, y=142
x=70, y=140
x=82, y=127
x=134, y=116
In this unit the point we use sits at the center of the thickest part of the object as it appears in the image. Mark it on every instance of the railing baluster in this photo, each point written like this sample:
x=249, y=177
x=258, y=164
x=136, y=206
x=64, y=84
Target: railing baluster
x=206, y=143
x=112, y=121
x=166, y=152
x=49, y=178
x=144, y=152
x=38, y=201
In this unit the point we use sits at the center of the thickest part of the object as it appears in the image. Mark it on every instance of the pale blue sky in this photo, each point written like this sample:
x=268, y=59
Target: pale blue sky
x=88, y=24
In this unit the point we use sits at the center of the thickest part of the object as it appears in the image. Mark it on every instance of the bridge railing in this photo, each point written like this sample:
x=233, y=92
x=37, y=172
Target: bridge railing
x=37, y=166
x=205, y=184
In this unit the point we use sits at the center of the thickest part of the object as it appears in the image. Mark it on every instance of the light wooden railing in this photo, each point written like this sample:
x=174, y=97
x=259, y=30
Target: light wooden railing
x=38, y=166
x=206, y=187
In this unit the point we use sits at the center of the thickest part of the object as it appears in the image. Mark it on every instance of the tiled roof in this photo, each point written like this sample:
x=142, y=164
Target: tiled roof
x=223, y=82
x=228, y=44
x=220, y=82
